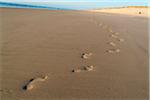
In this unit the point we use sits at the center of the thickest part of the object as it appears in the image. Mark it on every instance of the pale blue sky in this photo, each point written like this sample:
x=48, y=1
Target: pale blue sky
x=82, y=4
x=76, y=0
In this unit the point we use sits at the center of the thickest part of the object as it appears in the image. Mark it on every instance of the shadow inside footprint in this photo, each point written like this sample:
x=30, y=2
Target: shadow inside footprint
x=76, y=70
x=31, y=83
x=25, y=86
x=120, y=40
x=86, y=55
x=83, y=69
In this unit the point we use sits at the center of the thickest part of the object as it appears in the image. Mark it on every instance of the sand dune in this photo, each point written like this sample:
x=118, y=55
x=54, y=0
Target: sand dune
x=44, y=42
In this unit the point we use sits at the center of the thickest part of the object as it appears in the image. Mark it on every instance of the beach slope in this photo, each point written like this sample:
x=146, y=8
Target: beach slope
x=111, y=52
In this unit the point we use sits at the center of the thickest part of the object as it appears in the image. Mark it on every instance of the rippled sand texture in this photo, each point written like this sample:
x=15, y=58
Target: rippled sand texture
x=43, y=42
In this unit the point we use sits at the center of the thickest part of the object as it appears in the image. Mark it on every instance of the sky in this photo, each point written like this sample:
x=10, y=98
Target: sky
x=76, y=0
x=82, y=4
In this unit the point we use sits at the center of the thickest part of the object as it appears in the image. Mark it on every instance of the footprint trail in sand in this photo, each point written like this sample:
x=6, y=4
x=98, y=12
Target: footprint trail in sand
x=85, y=68
x=114, y=36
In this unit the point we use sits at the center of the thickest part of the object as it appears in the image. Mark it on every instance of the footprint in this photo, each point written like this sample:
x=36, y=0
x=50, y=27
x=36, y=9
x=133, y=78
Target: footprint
x=76, y=70
x=117, y=38
x=30, y=85
x=85, y=68
x=120, y=39
x=89, y=68
x=113, y=51
x=86, y=55
x=112, y=44
x=6, y=91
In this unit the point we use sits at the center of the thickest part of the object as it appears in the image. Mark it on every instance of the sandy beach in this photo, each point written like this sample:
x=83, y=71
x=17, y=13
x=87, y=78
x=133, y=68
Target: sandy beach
x=61, y=46
x=130, y=11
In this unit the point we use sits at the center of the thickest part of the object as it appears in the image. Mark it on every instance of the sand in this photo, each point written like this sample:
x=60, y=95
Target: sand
x=51, y=43
x=131, y=11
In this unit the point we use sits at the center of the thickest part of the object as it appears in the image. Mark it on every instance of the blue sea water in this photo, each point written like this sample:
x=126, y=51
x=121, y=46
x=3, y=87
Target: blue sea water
x=17, y=5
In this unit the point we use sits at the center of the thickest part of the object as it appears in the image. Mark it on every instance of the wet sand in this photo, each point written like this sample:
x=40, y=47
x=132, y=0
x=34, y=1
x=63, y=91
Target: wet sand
x=51, y=43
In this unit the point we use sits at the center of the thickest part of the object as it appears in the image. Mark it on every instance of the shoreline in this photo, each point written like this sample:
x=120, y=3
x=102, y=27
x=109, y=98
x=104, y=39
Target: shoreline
x=129, y=11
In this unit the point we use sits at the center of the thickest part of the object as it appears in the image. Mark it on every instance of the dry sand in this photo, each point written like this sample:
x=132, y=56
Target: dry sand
x=44, y=42
x=131, y=11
